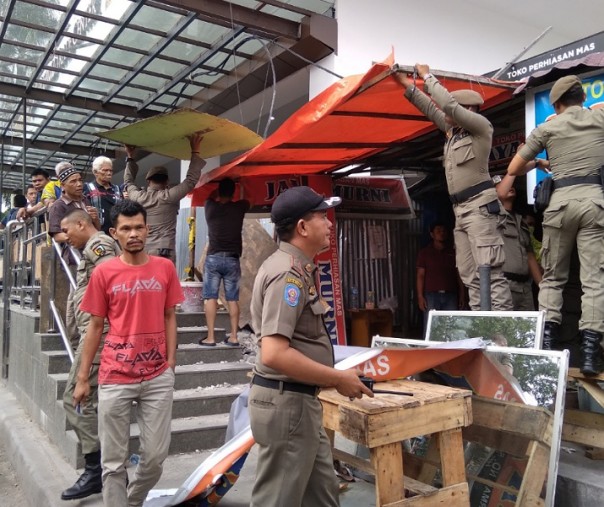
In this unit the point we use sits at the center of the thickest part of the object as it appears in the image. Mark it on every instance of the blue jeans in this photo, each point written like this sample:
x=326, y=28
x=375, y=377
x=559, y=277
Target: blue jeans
x=218, y=267
x=439, y=301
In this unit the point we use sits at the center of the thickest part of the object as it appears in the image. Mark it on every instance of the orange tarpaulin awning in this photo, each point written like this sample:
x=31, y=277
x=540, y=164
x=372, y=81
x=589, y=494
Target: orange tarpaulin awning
x=353, y=119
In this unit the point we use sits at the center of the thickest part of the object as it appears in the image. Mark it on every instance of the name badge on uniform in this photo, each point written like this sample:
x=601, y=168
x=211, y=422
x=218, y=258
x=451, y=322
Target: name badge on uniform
x=291, y=295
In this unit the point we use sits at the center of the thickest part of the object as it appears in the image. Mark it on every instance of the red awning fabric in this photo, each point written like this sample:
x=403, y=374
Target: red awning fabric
x=356, y=117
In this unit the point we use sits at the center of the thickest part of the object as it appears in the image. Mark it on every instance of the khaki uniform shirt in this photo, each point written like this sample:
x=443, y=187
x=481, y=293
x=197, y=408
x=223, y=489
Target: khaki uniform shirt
x=98, y=249
x=286, y=302
x=574, y=141
x=516, y=244
x=468, y=146
x=162, y=205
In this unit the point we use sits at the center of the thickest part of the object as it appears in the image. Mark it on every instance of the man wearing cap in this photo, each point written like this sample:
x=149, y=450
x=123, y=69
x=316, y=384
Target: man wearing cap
x=478, y=213
x=160, y=202
x=574, y=141
x=295, y=360
x=71, y=198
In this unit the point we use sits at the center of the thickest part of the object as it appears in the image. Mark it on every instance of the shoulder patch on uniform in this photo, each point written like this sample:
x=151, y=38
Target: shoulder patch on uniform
x=99, y=250
x=291, y=295
x=294, y=281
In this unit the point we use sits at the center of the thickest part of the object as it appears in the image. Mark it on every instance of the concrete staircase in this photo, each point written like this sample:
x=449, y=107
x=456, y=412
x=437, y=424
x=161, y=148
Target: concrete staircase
x=207, y=382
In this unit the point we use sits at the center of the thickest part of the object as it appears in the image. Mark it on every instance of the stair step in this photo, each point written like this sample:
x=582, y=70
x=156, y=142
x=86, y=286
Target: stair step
x=192, y=334
x=189, y=353
x=57, y=361
x=199, y=319
x=192, y=402
x=205, y=401
x=191, y=376
x=188, y=434
x=188, y=376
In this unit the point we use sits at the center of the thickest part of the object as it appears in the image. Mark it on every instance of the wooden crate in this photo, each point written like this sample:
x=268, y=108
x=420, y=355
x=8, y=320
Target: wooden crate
x=383, y=422
x=583, y=427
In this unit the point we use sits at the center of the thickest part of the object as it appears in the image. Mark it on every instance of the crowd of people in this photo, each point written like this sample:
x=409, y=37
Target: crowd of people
x=121, y=315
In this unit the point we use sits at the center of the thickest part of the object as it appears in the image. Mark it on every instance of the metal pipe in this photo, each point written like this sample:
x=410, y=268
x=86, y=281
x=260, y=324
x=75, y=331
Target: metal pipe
x=24, y=144
x=64, y=264
x=62, y=330
x=484, y=273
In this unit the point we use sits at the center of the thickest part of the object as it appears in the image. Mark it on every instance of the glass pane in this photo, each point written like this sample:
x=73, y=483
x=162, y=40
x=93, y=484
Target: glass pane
x=106, y=71
x=29, y=36
x=78, y=47
x=121, y=57
x=93, y=84
x=156, y=19
x=164, y=67
x=37, y=15
x=150, y=81
x=138, y=40
x=183, y=51
x=204, y=32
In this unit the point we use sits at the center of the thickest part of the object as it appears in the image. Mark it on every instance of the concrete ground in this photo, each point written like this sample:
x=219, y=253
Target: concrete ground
x=42, y=473
x=33, y=472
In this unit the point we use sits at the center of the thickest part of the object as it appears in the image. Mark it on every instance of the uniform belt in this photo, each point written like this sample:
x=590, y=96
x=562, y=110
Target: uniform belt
x=577, y=180
x=226, y=254
x=470, y=192
x=285, y=386
x=515, y=277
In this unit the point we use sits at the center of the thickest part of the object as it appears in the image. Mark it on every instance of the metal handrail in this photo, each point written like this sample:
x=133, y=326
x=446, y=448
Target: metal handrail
x=62, y=330
x=58, y=252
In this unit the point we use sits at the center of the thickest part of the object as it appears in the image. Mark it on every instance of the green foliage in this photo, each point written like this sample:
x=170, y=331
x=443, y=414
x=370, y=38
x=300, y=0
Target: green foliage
x=519, y=331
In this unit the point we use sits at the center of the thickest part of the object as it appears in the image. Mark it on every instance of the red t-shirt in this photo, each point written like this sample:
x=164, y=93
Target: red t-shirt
x=441, y=273
x=133, y=299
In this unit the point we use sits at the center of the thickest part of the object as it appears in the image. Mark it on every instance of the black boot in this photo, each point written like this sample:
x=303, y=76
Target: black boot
x=90, y=482
x=591, y=352
x=551, y=334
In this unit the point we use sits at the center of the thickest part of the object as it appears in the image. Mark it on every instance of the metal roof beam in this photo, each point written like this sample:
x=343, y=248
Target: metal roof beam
x=74, y=149
x=230, y=14
x=74, y=101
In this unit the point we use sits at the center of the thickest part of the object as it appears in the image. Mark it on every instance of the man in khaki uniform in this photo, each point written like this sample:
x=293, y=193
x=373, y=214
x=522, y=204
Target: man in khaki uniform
x=295, y=359
x=520, y=266
x=160, y=202
x=478, y=213
x=574, y=141
x=96, y=248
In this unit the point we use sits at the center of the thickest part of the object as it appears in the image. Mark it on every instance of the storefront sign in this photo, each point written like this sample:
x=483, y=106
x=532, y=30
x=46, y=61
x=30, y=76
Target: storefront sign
x=373, y=194
x=544, y=61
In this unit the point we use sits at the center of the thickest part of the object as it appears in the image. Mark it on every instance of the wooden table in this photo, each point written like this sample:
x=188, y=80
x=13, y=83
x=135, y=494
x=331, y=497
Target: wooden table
x=366, y=322
x=383, y=422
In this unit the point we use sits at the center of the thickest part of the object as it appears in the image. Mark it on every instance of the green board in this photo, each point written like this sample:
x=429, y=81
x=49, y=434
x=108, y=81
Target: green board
x=166, y=134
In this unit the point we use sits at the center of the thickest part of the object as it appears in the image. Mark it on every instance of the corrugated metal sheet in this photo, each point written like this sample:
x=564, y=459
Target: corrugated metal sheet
x=379, y=255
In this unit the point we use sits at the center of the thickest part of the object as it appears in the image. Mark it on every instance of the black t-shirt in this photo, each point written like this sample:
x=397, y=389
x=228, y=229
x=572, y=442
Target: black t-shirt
x=225, y=221
x=103, y=199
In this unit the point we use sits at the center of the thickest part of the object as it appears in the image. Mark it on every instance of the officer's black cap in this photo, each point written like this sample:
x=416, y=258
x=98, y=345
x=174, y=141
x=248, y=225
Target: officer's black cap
x=296, y=202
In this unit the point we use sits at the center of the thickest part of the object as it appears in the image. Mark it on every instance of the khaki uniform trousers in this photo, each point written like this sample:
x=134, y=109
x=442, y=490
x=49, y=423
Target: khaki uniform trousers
x=478, y=242
x=566, y=223
x=522, y=296
x=295, y=464
x=154, y=414
x=85, y=424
